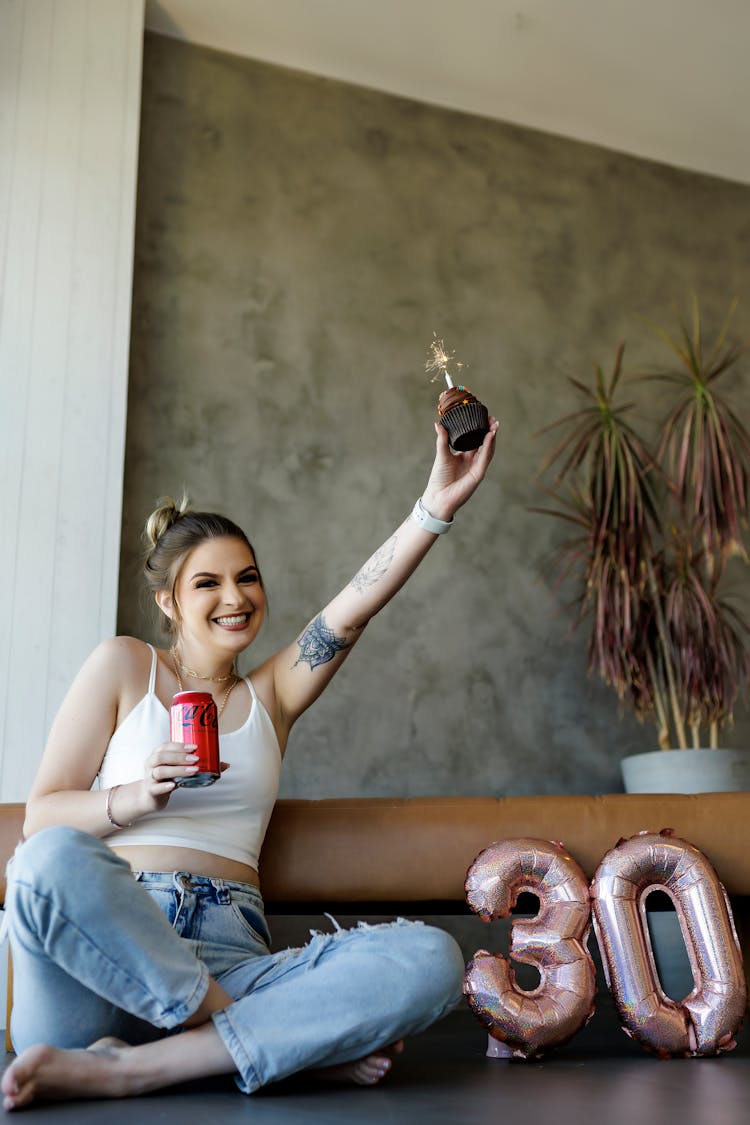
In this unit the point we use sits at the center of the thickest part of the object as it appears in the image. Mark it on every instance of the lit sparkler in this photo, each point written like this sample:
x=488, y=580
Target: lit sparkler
x=440, y=360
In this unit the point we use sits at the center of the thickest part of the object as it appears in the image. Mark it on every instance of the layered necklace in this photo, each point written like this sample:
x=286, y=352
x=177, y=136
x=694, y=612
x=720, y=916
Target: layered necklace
x=231, y=678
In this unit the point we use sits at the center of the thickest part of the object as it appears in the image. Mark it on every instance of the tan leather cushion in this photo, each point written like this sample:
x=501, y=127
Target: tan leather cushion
x=420, y=848
x=11, y=831
x=417, y=849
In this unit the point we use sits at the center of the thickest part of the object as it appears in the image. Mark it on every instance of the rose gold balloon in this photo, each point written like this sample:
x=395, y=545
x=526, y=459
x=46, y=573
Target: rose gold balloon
x=554, y=942
x=705, y=1022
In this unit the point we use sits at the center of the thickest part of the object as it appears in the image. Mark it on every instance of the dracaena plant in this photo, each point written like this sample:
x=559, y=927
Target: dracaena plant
x=653, y=526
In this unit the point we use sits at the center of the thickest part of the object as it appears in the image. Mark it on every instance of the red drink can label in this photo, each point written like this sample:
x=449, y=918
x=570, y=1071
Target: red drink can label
x=193, y=719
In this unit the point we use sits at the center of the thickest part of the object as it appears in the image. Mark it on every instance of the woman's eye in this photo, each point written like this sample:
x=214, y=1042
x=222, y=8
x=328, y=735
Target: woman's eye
x=251, y=578
x=204, y=584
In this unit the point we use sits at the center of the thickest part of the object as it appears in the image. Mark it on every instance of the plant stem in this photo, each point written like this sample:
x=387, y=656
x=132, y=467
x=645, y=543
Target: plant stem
x=661, y=629
x=662, y=724
x=696, y=732
x=714, y=734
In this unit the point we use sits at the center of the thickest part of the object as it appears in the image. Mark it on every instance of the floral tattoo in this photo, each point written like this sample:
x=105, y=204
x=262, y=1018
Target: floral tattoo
x=318, y=644
x=375, y=567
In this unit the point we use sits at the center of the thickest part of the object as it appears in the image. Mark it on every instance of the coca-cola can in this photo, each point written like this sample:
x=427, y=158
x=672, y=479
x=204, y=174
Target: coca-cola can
x=193, y=719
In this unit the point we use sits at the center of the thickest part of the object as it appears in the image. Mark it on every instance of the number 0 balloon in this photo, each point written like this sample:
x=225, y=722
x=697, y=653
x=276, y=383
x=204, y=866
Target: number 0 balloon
x=706, y=1021
x=554, y=942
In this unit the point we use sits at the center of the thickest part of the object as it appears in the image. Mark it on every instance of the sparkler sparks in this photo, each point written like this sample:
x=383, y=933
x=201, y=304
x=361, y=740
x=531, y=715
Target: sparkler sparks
x=440, y=360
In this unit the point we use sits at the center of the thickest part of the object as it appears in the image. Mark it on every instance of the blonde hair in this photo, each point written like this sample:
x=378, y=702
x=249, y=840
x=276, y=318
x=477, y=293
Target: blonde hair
x=172, y=531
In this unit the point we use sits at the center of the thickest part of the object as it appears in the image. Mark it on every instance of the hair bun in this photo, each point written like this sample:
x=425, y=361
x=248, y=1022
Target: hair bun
x=164, y=516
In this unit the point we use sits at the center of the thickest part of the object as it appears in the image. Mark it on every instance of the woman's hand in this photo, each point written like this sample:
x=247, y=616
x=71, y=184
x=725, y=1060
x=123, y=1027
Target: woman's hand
x=160, y=770
x=128, y=803
x=455, y=476
x=163, y=766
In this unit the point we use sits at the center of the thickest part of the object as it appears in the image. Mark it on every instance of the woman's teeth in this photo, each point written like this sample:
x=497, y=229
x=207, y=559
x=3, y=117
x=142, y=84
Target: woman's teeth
x=239, y=619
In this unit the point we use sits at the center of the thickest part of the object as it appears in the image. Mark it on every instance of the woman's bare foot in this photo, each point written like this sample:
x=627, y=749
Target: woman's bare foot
x=106, y=1043
x=48, y=1072
x=363, y=1072
x=112, y=1069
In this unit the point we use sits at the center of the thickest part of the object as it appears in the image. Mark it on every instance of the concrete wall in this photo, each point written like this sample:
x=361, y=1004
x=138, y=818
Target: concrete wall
x=298, y=241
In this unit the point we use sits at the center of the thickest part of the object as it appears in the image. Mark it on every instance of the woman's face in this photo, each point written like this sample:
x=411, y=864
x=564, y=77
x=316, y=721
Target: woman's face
x=220, y=601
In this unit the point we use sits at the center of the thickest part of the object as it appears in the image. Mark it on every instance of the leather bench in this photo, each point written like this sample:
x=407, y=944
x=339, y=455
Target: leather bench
x=418, y=849
x=383, y=855
x=410, y=856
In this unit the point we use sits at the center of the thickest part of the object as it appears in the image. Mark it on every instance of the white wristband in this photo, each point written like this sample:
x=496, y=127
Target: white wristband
x=428, y=522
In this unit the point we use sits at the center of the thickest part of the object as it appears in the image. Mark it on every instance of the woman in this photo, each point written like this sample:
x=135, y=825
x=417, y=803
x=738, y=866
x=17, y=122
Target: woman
x=108, y=966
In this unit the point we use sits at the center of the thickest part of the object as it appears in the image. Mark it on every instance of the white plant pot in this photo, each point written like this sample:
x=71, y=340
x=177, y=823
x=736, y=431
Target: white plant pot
x=687, y=771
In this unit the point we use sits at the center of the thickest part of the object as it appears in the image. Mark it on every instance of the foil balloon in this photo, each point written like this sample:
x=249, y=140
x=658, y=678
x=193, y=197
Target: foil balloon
x=554, y=942
x=705, y=1022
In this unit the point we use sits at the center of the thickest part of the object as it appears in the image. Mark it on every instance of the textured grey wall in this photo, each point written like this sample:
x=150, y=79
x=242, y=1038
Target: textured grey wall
x=298, y=242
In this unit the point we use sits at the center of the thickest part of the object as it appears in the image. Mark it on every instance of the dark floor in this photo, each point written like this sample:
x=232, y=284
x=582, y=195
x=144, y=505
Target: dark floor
x=444, y=1077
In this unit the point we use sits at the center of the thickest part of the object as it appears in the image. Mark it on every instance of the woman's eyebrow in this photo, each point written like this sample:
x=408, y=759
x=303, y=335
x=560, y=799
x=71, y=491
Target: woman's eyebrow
x=209, y=574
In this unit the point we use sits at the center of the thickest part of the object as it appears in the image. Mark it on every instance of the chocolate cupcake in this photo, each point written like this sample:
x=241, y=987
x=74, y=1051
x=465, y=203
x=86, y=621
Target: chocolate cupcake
x=464, y=417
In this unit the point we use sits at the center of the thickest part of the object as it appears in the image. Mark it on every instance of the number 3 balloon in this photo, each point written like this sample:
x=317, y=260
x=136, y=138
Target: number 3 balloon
x=554, y=942
x=705, y=1022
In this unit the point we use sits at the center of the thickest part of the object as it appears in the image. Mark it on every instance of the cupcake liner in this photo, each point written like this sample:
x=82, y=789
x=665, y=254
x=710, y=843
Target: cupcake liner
x=466, y=425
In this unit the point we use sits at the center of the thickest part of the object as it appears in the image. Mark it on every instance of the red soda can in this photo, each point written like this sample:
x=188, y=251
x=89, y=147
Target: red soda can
x=193, y=718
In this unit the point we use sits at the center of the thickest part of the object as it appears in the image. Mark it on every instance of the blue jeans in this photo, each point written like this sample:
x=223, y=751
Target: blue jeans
x=97, y=951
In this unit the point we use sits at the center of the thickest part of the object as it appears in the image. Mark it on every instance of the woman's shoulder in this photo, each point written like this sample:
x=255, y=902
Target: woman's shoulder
x=122, y=657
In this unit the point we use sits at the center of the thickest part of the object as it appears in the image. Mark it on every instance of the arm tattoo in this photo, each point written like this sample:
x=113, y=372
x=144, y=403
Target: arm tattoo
x=375, y=567
x=318, y=644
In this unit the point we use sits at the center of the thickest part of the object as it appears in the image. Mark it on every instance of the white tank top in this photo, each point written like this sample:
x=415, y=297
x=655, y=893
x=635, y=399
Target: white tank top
x=228, y=818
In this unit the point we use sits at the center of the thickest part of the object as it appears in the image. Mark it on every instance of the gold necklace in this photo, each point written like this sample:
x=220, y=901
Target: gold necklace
x=199, y=675
x=234, y=677
x=227, y=693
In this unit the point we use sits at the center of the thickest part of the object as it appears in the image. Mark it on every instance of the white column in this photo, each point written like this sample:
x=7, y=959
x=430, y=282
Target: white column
x=70, y=77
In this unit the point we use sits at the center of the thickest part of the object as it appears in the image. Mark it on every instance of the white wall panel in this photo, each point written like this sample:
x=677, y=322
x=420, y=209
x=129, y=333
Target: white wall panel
x=70, y=73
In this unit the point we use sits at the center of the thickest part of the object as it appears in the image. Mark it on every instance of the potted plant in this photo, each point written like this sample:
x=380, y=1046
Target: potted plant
x=657, y=524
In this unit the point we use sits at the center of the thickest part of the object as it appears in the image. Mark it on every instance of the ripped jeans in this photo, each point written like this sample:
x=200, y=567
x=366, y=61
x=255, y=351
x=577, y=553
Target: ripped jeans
x=98, y=952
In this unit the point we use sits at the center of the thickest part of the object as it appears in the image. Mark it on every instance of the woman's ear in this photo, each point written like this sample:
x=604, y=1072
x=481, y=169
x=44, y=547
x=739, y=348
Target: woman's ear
x=165, y=602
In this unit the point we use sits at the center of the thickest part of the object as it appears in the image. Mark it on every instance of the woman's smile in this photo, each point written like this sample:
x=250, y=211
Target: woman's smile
x=232, y=621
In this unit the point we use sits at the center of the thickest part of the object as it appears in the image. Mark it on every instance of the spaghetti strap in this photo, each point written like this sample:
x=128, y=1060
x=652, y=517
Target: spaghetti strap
x=250, y=686
x=152, y=677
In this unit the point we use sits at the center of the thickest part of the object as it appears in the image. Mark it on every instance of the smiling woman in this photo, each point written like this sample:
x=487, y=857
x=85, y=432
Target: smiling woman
x=135, y=902
x=219, y=591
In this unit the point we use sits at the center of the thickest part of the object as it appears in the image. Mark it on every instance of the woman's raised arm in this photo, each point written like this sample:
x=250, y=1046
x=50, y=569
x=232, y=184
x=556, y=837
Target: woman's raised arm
x=302, y=670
